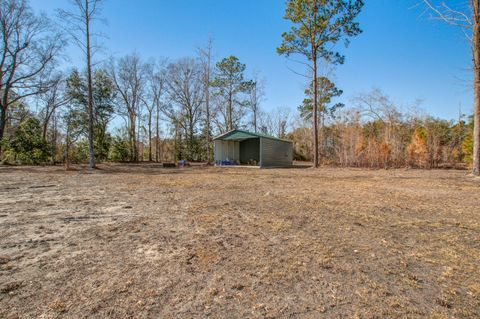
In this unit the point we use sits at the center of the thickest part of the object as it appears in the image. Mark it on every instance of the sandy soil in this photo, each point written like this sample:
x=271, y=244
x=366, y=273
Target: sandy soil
x=145, y=242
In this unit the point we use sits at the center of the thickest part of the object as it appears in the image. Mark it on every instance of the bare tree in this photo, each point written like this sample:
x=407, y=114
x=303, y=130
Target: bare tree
x=185, y=91
x=79, y=22
x=256, y=96
x=51, y=100
x=28, y=50
x=158, y=87
x=139, y=145
x=385, y=116
x=129, y=76
x=152, y=100
x=276, y=122
x=467, y=18
x=148, y=102
x=206, y=60
x=378, y=106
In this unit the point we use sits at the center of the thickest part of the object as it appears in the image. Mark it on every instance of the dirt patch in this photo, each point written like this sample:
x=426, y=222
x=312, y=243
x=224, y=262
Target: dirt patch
x=140, y=241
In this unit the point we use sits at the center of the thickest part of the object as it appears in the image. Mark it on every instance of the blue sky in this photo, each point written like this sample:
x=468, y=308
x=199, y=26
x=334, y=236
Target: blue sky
x=401, y=52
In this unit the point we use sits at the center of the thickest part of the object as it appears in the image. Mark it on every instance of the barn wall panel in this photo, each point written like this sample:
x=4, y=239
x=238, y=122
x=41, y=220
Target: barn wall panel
x=276, y=153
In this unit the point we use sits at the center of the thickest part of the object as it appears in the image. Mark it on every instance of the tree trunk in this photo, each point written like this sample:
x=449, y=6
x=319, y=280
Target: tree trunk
x=44, y=130
x=91, y=157
x=138, y=158
x=67, y=146
x=230, y=110
x=157, y=140
x=207, y=105
x=3, y=122
x=254, y=99
x=476, y=88
x=150, y=136
x=476, y=126
x=45, y=124
x=3, y=118
x=315, y=113
x=321, y=135
x=54, y=138
x=207, y=134
x=175, y=148
x=191, y=139
x=133, y=138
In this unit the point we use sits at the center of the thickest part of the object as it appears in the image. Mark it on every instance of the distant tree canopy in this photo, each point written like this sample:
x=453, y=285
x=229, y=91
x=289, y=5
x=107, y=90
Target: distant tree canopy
x=134, y=109
x=377, y=134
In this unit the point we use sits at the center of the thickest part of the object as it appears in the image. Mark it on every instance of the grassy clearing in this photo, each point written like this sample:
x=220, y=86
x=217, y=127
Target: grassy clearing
x=140, y=241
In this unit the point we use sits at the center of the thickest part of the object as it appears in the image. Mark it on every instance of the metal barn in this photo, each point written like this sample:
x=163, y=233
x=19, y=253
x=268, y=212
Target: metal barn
x=239, y=147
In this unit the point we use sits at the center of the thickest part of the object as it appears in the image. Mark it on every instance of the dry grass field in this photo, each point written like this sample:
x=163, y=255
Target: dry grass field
x=138, y=241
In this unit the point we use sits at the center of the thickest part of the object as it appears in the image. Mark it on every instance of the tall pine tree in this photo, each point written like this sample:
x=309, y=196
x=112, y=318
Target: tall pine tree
x=317, y=26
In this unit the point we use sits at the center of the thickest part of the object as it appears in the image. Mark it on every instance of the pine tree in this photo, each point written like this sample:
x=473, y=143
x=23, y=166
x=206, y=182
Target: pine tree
x=318, y=25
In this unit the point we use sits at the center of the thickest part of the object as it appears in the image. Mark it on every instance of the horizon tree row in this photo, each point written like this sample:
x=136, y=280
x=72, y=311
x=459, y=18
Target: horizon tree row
x=135, y=109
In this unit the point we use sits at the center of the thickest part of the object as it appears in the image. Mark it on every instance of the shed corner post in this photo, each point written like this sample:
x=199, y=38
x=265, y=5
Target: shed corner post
x=261, y=152
x=215, y=151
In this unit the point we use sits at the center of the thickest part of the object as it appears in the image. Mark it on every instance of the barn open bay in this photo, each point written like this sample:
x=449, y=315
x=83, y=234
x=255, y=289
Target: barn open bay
x=140, y=241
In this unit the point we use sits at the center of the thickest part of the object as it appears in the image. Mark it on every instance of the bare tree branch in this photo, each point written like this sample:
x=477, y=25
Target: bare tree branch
x=30, y=47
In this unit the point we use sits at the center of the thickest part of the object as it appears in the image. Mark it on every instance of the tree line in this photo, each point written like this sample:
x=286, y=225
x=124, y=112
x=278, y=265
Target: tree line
x=378, y=133
x=170, y=109
x=134, y=109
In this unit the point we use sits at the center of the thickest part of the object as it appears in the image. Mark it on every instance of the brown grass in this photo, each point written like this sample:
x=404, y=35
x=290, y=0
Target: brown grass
x=144, y=242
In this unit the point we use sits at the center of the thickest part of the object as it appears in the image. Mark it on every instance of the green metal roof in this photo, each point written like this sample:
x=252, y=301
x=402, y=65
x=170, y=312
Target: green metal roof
x=239, y=135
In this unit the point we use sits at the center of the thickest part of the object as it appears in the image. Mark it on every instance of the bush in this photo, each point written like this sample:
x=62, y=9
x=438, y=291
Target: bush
x=27, y=145
x=119, y=150
x=101, y=148
x=467, y=145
